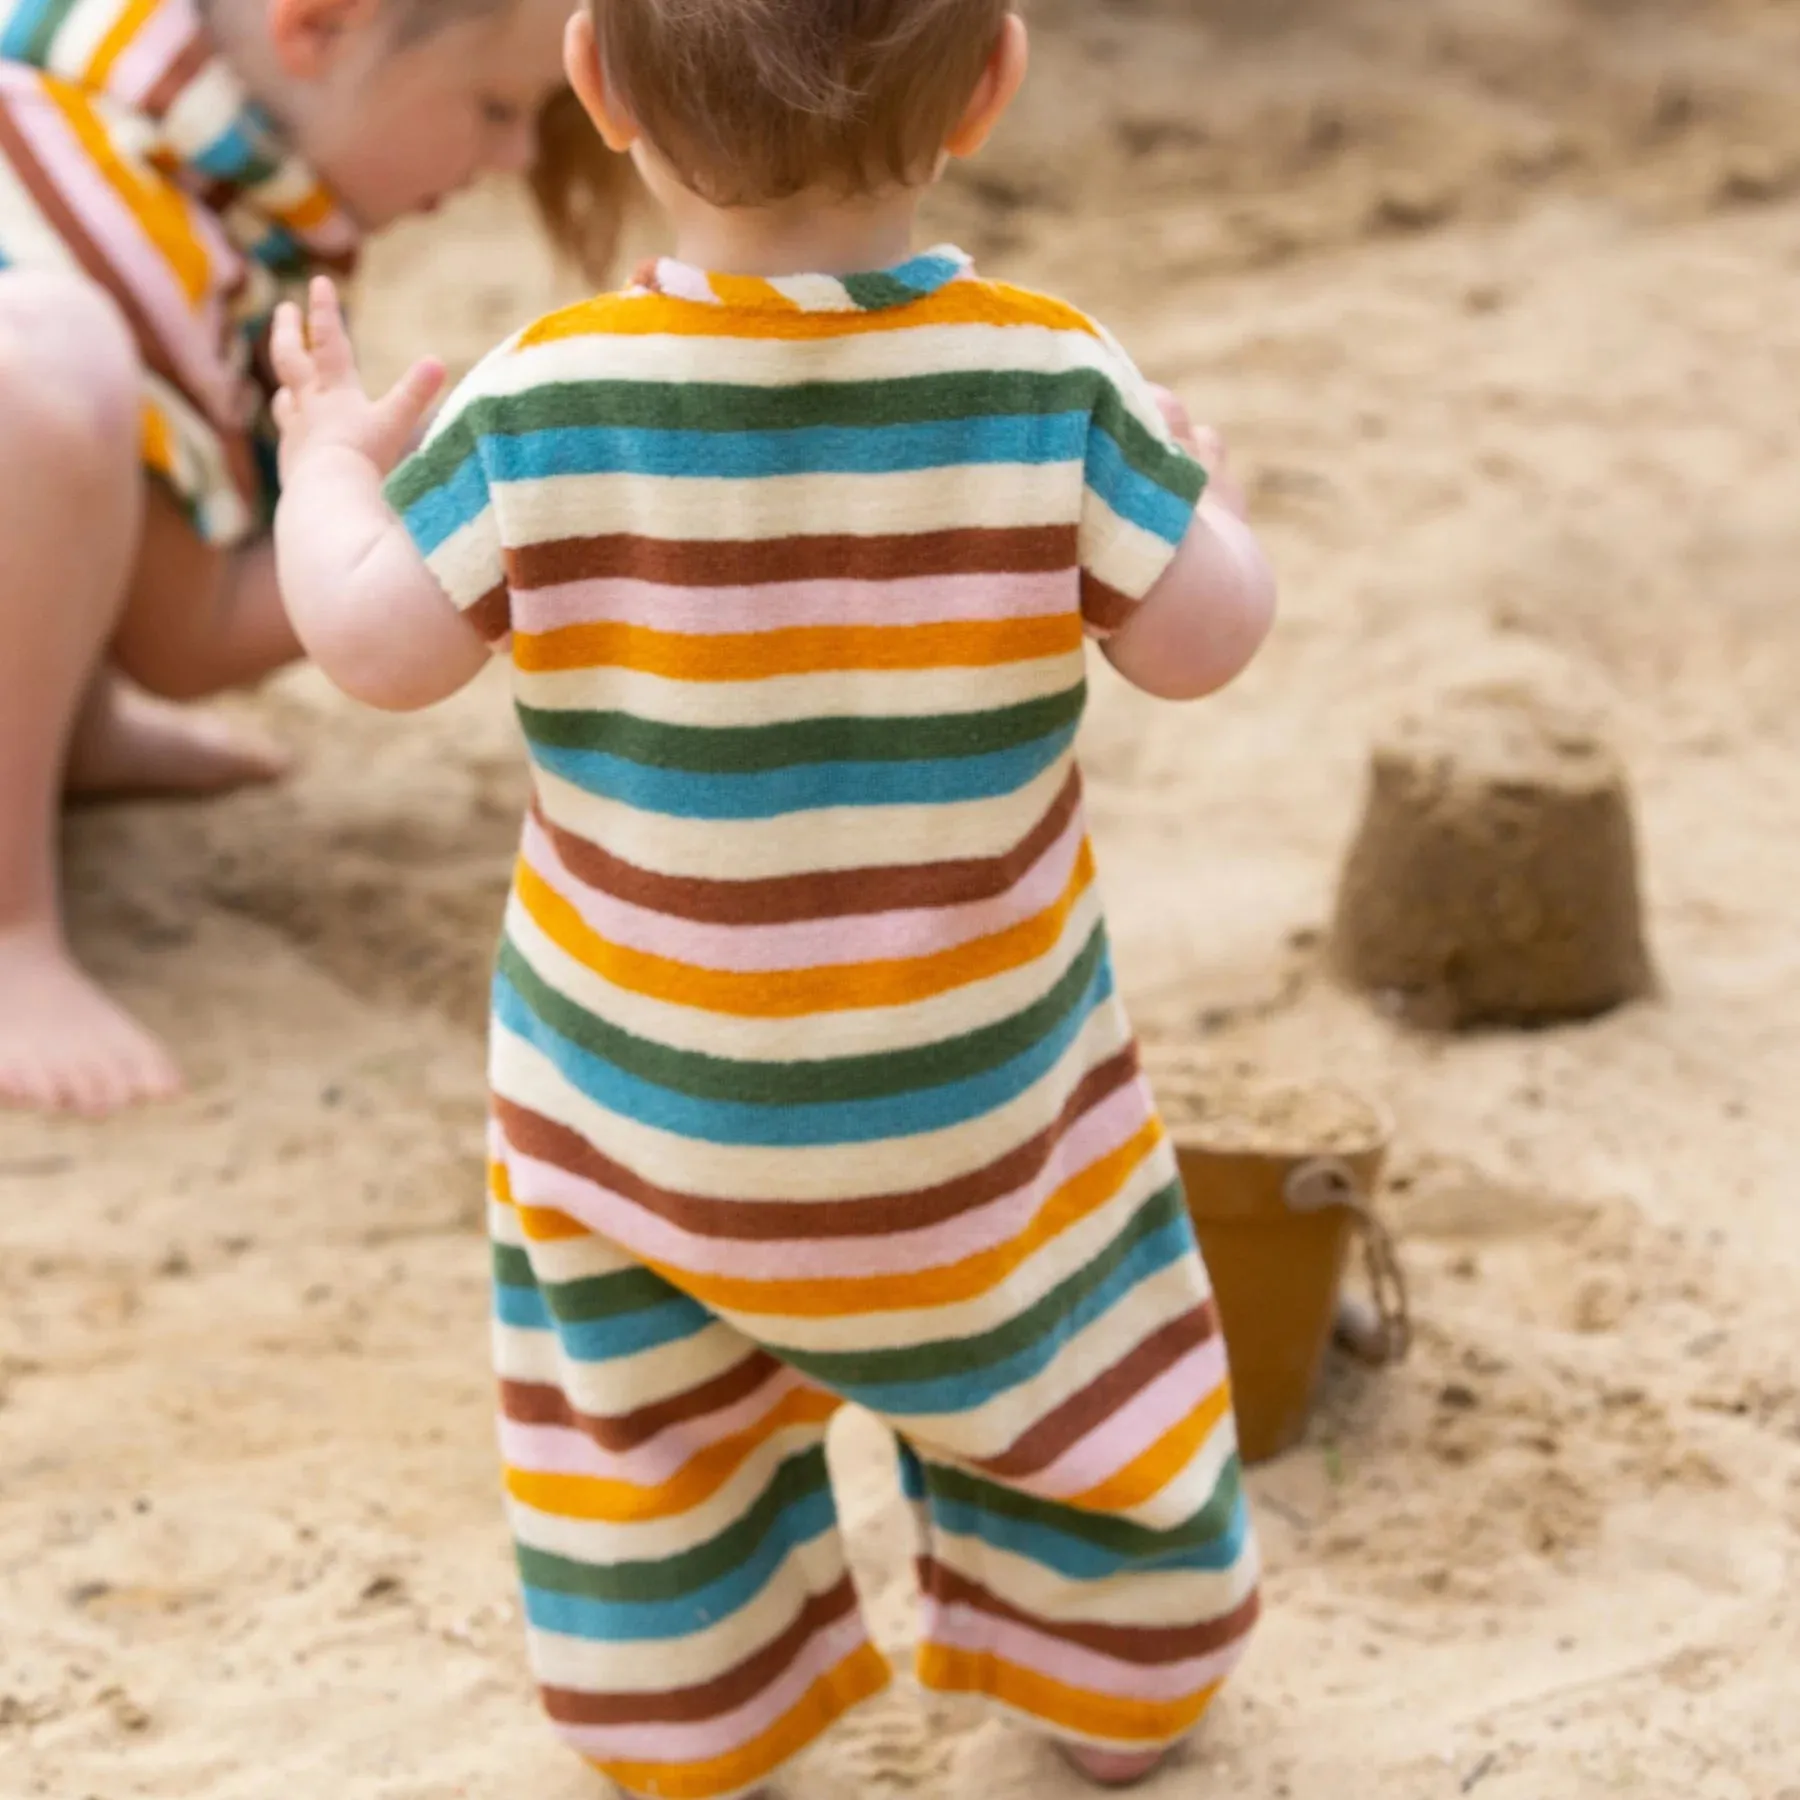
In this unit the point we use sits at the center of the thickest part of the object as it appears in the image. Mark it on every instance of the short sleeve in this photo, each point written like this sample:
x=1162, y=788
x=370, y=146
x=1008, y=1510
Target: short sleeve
x=442, y=495
x=1139, y=492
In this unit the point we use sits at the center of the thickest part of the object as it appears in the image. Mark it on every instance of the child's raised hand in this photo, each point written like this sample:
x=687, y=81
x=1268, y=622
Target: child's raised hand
x=1206, y=447
x=322, y=404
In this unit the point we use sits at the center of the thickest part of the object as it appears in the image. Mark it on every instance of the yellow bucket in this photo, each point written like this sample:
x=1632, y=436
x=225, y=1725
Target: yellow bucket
x=1276, y=1217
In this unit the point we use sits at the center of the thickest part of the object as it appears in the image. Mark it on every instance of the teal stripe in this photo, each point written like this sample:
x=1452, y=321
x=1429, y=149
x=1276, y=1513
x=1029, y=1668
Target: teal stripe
x=728, y=407
x=1215, y=1521
x=30, y=34
x=609, y=1296
x=810, y=1083
x=1155, y=458
x=848, y=1371
x=746, y=750
x=796, y=1482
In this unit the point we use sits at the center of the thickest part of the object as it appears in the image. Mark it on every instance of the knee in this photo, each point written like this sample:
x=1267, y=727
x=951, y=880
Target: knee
x=69, y=370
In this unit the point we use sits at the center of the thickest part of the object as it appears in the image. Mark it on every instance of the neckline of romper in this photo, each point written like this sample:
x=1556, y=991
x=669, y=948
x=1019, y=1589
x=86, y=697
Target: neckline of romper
x=917, y=278
x=162, y=64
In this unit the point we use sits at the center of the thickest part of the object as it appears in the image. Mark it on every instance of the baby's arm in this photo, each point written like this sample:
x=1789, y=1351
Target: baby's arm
x=363, y=603
x=1210, y=611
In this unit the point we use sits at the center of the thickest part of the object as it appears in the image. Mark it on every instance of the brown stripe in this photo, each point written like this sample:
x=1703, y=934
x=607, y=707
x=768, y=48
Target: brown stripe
x=737, y=1687
x=185, y=67
x=1025, y=550
x=1081, y=1413
x=532, y=1403
x=72, y=229
x=491, y=615
x=824, y=894
x=1149, y=1646
x=1105, y=608
x=880, y=1215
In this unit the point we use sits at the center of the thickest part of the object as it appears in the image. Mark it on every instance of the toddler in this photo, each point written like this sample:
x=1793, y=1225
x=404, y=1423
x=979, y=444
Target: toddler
x=166, y=170
x=810, y=1079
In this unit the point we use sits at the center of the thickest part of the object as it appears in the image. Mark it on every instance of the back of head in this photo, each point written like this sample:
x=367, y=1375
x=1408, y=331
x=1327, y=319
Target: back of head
x=754, y=101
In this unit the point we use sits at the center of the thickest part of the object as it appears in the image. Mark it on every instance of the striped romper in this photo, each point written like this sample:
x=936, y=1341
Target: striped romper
x=810, y=1079
x=130, y=154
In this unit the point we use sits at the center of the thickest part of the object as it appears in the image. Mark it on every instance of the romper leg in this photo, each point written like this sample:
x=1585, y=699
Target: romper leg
x=1095, y=1629
x=690, y=1614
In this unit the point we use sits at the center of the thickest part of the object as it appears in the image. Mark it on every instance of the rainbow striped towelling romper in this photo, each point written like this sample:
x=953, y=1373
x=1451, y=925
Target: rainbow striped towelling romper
x=810, y=1081
x=131, y=155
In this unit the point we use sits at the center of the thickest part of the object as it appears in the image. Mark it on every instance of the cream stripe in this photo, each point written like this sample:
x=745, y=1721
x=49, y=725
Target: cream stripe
x=782, y=699
x=1051, y=1264
x=999, y=496
x=761, y=362
x=1169, y=1597
x=700, y=1656
x=822, y=1172
x=655, y=1540
x=1123, y=555
x=813, y=1037
x=839, y=838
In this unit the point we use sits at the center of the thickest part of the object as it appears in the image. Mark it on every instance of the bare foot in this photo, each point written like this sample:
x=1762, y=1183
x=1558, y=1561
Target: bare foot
x=1114, y=1768
x=64, y=1046
x=129, y=742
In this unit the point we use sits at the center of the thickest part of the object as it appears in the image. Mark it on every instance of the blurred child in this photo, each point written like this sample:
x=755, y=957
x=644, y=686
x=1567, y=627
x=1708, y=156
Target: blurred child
x=166, y=171
x=811, y=1083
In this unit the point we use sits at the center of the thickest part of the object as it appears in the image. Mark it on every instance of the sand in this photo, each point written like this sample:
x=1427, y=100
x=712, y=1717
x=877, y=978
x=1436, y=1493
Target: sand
x=1497, y=303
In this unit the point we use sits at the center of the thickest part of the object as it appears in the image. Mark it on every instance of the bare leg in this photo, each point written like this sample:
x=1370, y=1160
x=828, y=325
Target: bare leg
x=1114, y=1768
x=70, y=504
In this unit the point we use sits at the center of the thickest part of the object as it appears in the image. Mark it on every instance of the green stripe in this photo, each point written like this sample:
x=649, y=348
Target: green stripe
x=1212, y=1522
x=874, y=291
x=729, y=407
x=36, y=53
x=745, y=750
x=668, y=1579
x=849, y=1371
x=593, y=1297
x=820, y=1082
x=1153, y=457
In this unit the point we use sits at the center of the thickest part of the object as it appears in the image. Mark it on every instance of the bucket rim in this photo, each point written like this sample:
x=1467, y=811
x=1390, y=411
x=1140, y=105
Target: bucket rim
x=1377, y=1140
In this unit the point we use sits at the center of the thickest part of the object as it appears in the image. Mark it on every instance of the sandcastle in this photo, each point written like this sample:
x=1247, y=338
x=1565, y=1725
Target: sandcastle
x=1494, y=880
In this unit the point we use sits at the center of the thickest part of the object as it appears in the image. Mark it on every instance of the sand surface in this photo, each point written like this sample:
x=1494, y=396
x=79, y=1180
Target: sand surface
x=1498, y=304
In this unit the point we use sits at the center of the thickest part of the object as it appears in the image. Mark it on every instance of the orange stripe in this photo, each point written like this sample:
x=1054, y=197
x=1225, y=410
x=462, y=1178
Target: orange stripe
x=801, y=993
x=847, y=1296
x=1142, y=1479
x=118, y=40
x=798, y=650
x=160, y=208
x=749, y=290
x=655, y=315
x=1071, y=1710
x=625, y=1503
x=859, y=1677
x=541, y=1224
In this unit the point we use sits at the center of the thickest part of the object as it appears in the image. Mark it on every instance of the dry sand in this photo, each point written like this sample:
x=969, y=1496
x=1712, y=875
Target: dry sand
x=1497, y=302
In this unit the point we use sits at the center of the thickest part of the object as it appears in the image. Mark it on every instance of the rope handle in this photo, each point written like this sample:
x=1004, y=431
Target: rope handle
x=1322, y=1185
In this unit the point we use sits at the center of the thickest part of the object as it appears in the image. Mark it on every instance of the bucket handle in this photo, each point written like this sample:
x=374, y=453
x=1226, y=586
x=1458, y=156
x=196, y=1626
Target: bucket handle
x=1324, y=1184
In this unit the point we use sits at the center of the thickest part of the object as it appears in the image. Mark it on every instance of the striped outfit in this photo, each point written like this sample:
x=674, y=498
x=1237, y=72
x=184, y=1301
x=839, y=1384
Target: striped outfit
x=810, y=1080
x=130, y=154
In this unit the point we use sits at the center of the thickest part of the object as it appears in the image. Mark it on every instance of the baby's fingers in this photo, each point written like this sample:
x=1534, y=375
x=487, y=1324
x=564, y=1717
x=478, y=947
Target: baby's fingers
x=401, y=410
x=330, y=341
x=287, y=348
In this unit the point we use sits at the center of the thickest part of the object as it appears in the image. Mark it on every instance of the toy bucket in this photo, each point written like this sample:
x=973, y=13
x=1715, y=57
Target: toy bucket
x=1277, y=1216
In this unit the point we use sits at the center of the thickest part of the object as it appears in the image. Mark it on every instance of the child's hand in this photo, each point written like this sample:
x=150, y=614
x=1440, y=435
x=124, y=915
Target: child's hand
x=322, y=404
x=1207, y=448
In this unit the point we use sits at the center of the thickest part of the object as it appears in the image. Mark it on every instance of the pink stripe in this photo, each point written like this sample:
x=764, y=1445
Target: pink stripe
x=709, y=1738
x=961, y=1628
x=1128, y=1433
x=116, y=231
x=758, y=949
x=560, y=1450
x=161, y=38
x=655, y=1240
x=777, y=606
